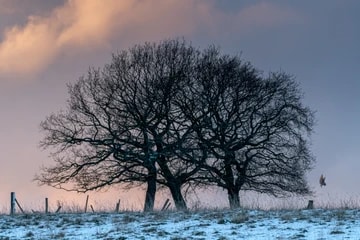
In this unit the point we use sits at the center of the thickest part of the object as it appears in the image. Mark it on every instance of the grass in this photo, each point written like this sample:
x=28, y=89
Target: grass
x=251, y=216
x=279, y=205
x=150, y=223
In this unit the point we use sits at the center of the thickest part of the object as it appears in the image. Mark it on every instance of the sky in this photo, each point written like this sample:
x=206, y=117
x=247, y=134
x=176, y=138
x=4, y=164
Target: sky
x=44, y=45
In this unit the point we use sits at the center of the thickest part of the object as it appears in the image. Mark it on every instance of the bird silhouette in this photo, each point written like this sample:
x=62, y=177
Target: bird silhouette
x=322, y=181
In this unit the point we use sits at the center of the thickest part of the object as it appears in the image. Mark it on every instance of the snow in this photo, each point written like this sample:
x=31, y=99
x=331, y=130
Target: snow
x=172, y=225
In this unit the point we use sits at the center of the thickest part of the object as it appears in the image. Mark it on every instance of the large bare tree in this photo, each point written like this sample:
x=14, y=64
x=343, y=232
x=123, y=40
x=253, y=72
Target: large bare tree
x=169, y=115
x=121, y=126
x=255, y=129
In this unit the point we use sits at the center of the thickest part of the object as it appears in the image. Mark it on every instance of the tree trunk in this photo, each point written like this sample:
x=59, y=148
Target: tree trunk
x=234, y=199
x=150, y=191
x=177, y=196
x=173, y=183
x=233, y=190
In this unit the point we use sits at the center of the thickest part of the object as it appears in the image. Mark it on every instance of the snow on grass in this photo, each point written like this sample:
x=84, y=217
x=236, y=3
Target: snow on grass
x=172, y=225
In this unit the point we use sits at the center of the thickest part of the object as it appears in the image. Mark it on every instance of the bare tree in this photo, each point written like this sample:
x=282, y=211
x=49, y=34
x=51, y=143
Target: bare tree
x=164, y=69
x=88, y=141
x=121, y=126
x=169, y=115
x=254, y=129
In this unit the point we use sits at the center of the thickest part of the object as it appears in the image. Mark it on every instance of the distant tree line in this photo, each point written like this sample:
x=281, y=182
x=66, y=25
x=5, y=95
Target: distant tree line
x=171, y=115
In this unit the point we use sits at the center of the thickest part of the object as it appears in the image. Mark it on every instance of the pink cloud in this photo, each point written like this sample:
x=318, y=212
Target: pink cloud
x=84, y=24
x=91, y=24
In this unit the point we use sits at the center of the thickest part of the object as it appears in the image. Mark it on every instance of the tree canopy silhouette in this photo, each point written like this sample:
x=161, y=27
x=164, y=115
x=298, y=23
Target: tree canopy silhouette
x=255, y=130
x=170, y=115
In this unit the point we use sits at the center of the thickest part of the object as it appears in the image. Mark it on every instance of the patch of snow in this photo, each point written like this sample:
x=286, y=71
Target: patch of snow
x=211, y=224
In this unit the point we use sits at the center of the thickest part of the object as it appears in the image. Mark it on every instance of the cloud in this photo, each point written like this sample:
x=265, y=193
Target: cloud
x=90, y=24
x=83, y=24
x=28, y=49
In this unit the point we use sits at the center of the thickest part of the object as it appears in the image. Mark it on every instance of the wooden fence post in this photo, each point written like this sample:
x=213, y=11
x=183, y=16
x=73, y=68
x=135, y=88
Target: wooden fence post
x=117, y=208
x=12, y=203
x=58, y=209
x=21, y=209
x=310, y=204
x=92, y=208
x=46, y=205
x=166, y=205
x=86, y=203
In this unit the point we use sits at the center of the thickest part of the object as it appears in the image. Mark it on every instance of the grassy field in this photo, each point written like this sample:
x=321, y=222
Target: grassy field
x=200, y=224
x=258, y=219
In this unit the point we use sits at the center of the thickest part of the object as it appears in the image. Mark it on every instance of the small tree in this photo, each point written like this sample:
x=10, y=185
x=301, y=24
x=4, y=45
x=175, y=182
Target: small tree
x=254, y=129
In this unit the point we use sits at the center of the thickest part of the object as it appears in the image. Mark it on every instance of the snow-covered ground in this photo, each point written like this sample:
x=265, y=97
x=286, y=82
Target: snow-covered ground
x=211, y=224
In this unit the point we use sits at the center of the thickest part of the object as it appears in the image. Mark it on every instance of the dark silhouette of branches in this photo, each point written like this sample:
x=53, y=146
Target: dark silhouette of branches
x=121, y=125
x=169, y=115
x=254, y=129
